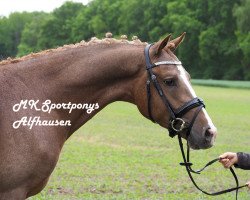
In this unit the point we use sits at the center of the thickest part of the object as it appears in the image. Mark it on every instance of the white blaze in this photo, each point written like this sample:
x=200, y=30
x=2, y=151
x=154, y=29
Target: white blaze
x=183, y=76
x=185, y=80
x=210, y=123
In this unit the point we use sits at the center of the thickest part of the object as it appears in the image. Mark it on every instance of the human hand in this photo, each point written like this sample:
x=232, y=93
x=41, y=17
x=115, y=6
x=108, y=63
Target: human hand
x=228, y=159
x=248, y=184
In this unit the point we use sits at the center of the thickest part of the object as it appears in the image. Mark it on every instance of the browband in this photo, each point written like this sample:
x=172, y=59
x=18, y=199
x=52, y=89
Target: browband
x=167, y=63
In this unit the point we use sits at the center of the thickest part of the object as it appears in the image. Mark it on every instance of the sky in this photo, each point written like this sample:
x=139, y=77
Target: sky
x=8, y=6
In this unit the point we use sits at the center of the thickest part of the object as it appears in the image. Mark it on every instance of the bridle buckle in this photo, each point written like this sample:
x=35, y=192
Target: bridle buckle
x=180, y=122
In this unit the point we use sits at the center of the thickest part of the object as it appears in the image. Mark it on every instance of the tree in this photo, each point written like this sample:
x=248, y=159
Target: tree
x=242, y=15
x=5, y=39
x=57, y=29
x=218, y=47
x=131, y=19
x=31, y=34
x=97, y=18
x=182, y=17
x=80, y=26
x=154, y=25
x=10, y=32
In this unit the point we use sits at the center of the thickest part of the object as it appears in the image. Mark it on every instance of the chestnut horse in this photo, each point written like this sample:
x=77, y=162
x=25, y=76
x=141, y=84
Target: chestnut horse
x=97, y=72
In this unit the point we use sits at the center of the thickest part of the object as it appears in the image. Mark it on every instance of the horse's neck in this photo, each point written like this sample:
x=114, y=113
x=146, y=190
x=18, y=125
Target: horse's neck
x=102, y=73
x=96, y=74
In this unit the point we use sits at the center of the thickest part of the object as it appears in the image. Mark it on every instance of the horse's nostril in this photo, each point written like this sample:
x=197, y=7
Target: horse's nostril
x=210, y=133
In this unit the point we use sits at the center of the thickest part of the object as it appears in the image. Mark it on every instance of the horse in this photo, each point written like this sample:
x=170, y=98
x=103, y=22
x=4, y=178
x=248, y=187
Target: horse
x=86, y=76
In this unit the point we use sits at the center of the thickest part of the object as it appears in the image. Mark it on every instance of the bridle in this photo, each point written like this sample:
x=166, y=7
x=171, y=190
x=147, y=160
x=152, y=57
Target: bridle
x=177, y=124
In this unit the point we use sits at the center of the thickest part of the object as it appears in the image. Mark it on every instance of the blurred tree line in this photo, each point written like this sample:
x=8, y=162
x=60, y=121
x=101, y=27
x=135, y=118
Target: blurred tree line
x=217, y=43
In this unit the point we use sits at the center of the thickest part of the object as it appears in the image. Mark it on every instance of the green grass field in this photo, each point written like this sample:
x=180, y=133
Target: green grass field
x=121, y=155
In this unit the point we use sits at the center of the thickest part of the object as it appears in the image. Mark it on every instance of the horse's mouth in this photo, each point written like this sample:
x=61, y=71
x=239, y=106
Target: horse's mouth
x=198, y=147
x=204, y=144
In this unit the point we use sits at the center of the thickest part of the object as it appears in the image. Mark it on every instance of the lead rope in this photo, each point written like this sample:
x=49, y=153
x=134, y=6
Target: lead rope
x=189, y=170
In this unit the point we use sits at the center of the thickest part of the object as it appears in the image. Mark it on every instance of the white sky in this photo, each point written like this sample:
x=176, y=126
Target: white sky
x=9, y=6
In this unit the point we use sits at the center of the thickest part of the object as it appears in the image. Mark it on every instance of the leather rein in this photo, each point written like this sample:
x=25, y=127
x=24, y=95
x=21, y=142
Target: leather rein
x=177, y=124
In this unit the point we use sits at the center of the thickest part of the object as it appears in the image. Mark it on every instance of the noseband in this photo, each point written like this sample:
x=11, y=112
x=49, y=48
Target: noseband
x=177, y=124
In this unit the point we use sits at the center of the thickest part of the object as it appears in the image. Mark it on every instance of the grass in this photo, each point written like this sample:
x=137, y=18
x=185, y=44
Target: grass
x=121, y=155
x=222, y=83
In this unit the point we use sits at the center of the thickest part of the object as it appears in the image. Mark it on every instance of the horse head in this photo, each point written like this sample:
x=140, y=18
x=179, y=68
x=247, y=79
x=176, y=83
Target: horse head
x=165, y=95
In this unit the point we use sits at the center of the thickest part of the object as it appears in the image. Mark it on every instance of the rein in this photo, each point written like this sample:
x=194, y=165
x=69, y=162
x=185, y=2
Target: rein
x=189, y=170
x=177, y=124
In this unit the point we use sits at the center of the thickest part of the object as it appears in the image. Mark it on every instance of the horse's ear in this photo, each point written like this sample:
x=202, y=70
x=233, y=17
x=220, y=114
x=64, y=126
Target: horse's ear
x=161, y=44
x=173, y=44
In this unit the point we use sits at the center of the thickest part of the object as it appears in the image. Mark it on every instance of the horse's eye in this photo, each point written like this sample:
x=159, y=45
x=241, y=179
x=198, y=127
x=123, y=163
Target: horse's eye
x=169, y=82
